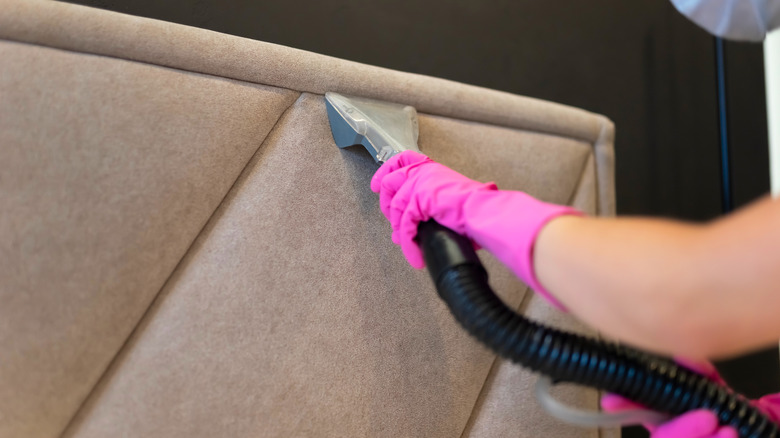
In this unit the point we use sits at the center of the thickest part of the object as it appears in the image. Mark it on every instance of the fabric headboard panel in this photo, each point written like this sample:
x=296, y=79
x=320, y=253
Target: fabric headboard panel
x=185, y=252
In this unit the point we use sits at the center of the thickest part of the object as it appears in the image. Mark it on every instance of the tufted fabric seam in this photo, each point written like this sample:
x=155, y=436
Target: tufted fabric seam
x=579, y=187
x=493, y=367
x=157, y=296
x=496, y=360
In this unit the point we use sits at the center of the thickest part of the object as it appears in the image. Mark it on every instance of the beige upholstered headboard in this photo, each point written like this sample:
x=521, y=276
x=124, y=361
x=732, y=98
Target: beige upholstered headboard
x=184, y=251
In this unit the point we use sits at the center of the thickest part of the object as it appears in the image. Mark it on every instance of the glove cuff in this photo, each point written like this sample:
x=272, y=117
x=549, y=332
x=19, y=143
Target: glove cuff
x=510, y=230
x=528, y=272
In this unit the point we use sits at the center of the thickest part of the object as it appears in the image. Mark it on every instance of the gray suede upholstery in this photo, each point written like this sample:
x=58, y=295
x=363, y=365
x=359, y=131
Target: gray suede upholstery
x=185, y=252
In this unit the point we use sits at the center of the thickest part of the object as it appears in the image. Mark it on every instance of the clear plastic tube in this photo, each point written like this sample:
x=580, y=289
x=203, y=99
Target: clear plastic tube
x=581, y=417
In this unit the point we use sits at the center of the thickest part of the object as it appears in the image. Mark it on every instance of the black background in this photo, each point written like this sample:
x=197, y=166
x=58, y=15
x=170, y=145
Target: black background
x=638, y=62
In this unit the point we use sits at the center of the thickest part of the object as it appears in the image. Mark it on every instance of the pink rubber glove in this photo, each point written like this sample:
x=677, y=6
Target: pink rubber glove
x=413, y=188
x=695, y=424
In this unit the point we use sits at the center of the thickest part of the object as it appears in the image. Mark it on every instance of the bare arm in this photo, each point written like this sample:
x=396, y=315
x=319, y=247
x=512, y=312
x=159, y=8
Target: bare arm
x=700, y=291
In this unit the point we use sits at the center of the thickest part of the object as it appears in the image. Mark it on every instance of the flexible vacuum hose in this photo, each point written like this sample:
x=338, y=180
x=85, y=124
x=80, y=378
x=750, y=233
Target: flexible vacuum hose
x=655, y=382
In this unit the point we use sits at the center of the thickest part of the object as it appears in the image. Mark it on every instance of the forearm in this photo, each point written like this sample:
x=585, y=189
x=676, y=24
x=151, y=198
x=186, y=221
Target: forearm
x=694, y=290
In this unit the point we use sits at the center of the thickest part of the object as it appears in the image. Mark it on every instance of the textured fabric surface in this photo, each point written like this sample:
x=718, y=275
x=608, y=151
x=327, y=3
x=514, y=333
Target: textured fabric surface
x=294, y=315
x=108, y=171
x=506, y=407
x=291, y=314
x=152, y=41
x=547, y=166
x=505, y=398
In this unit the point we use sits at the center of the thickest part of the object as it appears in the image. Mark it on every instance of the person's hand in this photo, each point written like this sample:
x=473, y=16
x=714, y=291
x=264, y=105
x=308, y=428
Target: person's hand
x=700, y=423
x=413, y=188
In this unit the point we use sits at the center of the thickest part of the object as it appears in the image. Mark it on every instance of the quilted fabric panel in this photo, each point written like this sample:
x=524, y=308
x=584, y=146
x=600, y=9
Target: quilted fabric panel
x=108, y=171
x=294, y=314
x=276, y=322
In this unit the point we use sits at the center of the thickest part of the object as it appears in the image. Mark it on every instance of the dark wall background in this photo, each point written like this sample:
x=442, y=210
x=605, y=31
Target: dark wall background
x=639, y=62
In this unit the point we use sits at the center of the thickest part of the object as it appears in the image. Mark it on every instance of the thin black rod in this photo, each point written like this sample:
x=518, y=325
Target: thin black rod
x=725, y=165
x=761, y=366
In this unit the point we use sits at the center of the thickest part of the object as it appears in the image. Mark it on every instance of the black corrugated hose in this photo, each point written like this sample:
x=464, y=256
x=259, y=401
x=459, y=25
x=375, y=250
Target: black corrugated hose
x=656, y=382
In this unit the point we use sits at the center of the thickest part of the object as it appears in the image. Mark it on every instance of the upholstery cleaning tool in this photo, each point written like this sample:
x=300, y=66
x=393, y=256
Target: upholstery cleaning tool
x=386, y=129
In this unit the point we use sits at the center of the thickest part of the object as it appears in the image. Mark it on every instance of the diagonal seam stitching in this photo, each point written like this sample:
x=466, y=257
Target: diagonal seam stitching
x=157, y=295
x=604, y=145
x=474, y=411
x=493, y=367
x=578, y=187
x=526, y=297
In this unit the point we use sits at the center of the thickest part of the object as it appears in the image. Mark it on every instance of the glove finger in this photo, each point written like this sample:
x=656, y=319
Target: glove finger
x=385, y=169
x=615, y=403
x=396, y=237
x=726, y=432
x=407, y=232
x=695, y=424
x=401, y=160
x=402, y=180
x=413, y=255
x=770, y=405
x=430, y=201
x=405, y=196
x=704, y=368
x=389, y=190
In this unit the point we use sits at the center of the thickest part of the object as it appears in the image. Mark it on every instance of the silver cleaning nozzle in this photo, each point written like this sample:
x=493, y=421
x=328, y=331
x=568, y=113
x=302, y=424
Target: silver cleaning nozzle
x=385, y=129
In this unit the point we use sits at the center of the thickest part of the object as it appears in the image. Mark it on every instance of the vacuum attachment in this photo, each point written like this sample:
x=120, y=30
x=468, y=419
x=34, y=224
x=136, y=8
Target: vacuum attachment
x=385, y=129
